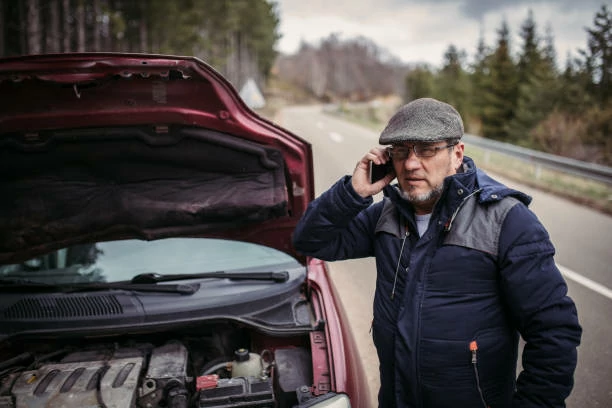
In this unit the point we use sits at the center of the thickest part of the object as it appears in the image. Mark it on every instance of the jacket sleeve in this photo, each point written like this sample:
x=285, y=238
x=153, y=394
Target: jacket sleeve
x=546, y=317
x=337, y=225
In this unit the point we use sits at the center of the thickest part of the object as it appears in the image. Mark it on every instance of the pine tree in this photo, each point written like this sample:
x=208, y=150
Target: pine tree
x=598, y=64
x=530, y=56
x=599, y=55
x=453, y=84
x=479, y=79
x=537, y=87
x=500, y=88
x=419, y=83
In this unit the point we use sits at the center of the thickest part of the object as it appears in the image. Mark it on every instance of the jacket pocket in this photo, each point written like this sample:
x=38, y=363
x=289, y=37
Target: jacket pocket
x=450, y=377
x=446, y=376
x=445, y=363
x=383, y=336
x=493, y=359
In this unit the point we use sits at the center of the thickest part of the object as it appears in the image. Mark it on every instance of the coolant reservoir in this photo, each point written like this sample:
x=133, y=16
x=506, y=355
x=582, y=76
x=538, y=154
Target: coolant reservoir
x=246, y=364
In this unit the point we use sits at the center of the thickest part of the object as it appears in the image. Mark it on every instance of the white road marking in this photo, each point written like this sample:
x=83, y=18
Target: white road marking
x=586, y=282
x=336, y=137
x=320, y=125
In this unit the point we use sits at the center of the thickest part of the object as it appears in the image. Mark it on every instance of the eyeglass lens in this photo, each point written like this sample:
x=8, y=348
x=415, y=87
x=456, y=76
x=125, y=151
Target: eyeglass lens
x=420, y=150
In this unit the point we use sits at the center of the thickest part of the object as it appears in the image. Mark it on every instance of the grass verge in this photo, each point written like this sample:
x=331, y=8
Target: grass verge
x=577, y=189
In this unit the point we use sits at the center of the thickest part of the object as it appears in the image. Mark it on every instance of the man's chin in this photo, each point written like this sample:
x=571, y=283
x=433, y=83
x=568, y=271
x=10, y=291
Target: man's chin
x=417, y=198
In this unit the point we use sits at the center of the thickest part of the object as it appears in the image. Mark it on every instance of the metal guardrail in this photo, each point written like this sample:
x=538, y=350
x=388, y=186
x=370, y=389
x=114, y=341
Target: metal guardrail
x=574, y=167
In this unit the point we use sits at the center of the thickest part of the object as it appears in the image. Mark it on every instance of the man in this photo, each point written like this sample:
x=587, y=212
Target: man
x=463, y=268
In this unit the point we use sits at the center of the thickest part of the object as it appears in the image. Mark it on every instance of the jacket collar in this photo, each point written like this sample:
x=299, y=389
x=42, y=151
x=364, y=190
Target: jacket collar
x=468, y=181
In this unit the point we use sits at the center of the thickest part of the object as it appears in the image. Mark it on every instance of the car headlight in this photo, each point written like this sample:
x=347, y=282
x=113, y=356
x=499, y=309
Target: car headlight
x=328, y=401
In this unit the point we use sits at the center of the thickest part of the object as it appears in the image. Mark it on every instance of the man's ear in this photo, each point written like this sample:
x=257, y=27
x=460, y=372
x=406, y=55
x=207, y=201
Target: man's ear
x=458, y=155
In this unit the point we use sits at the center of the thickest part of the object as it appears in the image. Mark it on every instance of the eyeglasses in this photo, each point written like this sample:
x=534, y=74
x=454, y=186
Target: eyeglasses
x=400, y=153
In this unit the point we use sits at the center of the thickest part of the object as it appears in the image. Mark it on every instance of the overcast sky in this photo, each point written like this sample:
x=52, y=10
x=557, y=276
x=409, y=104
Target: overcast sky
x=422, y=30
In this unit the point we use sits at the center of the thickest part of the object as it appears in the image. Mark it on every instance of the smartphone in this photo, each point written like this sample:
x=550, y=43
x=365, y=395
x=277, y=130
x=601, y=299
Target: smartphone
x=379, y=171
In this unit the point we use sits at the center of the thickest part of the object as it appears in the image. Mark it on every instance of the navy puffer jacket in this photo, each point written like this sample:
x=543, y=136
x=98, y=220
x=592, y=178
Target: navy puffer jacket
x=449, y=306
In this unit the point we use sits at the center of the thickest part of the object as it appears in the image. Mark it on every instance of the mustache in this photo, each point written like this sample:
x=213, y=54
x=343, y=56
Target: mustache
x=412, y=175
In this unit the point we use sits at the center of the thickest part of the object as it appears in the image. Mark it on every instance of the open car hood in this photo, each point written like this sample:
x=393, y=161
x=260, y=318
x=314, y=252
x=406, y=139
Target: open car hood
x=109, y=146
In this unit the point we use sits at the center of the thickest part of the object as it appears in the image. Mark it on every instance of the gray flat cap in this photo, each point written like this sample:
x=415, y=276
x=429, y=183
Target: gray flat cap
x=423, y=120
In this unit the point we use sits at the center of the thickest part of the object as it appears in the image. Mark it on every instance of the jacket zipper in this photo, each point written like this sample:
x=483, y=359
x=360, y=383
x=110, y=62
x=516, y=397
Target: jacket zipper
x=474, y=350
x=449, y=224
x=399, y=259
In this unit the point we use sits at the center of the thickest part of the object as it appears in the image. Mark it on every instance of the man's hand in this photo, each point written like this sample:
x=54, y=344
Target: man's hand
x=361, y=175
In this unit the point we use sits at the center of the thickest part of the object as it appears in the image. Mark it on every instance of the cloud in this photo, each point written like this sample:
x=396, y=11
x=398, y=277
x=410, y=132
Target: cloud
x=422, y=30
x=477, y=9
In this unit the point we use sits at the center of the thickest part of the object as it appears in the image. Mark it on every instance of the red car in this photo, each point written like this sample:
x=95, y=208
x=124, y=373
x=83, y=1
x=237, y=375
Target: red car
x=145, y=252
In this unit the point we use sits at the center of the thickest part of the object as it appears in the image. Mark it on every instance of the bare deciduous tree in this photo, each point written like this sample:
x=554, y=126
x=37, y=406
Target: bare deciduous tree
x=96, y=34
x=52, y=35
x=356, y=69
x=2, y=28
x=34, y=37
x=80, y=25
x=66, y=26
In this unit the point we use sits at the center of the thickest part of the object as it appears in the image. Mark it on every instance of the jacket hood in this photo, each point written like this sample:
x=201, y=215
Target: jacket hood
x=112, y=146
x=492, y=190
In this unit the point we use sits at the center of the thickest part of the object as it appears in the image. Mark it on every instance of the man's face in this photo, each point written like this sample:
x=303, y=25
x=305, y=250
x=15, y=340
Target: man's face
x=421, y=178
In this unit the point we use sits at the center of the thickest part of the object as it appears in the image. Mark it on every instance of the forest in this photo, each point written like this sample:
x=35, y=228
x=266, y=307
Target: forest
x=521, y=96
x=236, y=37
x=525, y=99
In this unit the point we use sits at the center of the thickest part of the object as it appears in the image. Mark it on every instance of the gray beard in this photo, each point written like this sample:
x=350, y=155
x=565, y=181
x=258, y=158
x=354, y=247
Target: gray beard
x=432, y=195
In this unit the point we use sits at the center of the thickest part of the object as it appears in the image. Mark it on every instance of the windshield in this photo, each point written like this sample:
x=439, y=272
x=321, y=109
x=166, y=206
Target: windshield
x=122, y=260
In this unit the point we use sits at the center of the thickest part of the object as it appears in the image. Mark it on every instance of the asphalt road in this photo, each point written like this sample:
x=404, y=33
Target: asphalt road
x=581, y=236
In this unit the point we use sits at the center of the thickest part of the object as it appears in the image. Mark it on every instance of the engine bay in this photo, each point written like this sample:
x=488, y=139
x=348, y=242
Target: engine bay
x=216, y=365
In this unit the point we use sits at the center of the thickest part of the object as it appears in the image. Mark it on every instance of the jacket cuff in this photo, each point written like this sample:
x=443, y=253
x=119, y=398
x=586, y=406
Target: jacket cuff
x=347, y=199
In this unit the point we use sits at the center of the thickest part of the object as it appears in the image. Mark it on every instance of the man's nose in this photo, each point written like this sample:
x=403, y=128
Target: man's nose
x=412, y=161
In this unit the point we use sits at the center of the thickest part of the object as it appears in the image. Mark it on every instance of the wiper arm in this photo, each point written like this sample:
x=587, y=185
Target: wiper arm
x=268, y=276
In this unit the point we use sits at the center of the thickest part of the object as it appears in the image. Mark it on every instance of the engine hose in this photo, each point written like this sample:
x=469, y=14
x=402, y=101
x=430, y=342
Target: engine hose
x=213, y=369
x=176, y=396
x=22, y=358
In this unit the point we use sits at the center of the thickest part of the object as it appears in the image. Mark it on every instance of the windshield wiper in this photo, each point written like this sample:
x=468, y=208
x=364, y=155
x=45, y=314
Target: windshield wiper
x=21, y=281
x=189, y=289
x=10, y=285
x=16, y=284
x=145, y=282
x=268, y=276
